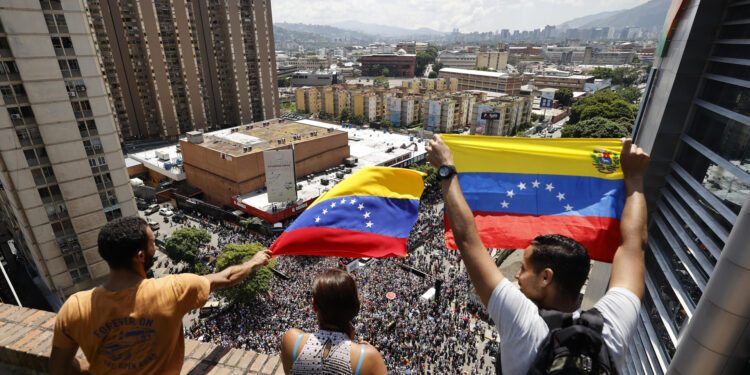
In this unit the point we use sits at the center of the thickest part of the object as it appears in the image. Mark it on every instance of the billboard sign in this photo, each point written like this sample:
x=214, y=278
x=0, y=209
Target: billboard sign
x=433, y=116
x=481, y=125
x=395, y=109
x=548, y=97
x=280, y=179
x=490, y=115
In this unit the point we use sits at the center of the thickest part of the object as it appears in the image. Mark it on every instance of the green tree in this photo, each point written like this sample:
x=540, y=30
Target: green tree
x=423, y=59
x=285, y=82
x=256, y=282
x=380, y=81
x=386, y=72
x=433, y=74
x=201, y=269
x=606, y=97
x=630, y=94
x=345, y=115
x=427, y=168
x=482, y=68
x=183, y=245
x=432, y=51
x=602, y=73
x=385, y=123
x=437, y=66
x=597, y=127
x=564, y=96
x=358, y=119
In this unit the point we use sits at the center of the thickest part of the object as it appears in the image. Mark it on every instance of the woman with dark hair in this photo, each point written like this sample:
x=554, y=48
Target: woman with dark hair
x=332, y=349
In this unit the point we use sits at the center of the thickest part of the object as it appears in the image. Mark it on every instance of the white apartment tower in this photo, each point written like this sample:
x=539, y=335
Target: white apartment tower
x=62, y=171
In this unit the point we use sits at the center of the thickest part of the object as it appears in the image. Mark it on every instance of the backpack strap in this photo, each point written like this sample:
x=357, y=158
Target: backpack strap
x=556, y=319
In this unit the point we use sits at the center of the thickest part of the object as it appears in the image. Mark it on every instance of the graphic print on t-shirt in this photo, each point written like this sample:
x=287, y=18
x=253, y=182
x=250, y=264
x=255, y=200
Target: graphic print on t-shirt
x=127, y=343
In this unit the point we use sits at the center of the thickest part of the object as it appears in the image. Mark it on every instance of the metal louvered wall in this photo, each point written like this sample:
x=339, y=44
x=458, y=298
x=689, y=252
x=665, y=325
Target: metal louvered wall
x=696, y=125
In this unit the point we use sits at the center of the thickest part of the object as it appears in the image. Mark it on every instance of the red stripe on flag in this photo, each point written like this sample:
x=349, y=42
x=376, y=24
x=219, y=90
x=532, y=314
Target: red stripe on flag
x=599, y=235
x=338, y=242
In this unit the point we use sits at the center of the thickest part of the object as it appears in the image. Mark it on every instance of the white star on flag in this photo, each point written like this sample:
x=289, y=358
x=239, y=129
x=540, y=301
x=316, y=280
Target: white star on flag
x=521, y=186
x=325, y=211
x=317, y=219
x=535, y=184
x=510, y=193
x=367, y=214
x=333, y=204
x=504, y=204
x=560, y=196
x=568, y=207
x=352, y=201
x=343, y=201
x=369, y=224
x=361, y=206
x=549, y=187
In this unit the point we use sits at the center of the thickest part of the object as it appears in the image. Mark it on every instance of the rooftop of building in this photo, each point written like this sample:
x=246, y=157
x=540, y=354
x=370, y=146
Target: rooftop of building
x=166, y=161
x=475, y=72
x=370, y=147
x=261, y=136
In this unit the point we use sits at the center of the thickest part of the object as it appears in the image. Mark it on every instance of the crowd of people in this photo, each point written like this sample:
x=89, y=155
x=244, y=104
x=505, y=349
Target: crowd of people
x=448, y=333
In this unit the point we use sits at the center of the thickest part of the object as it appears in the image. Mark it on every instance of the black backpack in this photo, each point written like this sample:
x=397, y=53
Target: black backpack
x=572, y=346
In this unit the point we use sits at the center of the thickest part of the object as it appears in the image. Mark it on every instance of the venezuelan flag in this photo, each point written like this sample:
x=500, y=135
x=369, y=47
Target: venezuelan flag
x=369, y=214
x=519, y=188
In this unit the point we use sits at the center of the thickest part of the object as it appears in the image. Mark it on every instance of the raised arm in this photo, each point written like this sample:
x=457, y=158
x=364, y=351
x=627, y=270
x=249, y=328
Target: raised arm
x=235, y=274
x=628, y=266
x=483, y=272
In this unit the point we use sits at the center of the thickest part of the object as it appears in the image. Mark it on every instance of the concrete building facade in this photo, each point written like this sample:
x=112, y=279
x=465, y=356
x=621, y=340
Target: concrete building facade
x=61, y=167
x=515, y=111
x=573, y=82
x=486, y=81
x=174, y=65
x=222, y=165
x=493, y=60
x=460, y=60
x=399, y=65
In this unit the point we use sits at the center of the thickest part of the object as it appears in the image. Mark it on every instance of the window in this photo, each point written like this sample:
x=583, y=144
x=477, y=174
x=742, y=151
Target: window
x=87, y=128
x=56, y=211
x=51, y=4
x=63, y=228
x=50, y=194
x=43, y=176
x=93, y=146
x=36, y=156
x=108, y=198
x=114, y=214
x=69, y=68
x=29, y=137
x=63, y=45
x=82, y=109
x=75, y=88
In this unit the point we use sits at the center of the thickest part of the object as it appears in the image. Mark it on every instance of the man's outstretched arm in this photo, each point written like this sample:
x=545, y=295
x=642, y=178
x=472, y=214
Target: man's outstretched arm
x=628, y=266
x=235, y=274
x=482, y=270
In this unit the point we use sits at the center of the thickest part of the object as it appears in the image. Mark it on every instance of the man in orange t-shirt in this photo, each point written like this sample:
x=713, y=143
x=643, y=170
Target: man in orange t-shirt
x=133, y=324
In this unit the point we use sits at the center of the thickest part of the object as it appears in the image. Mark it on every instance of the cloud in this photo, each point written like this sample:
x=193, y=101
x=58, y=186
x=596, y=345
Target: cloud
x=444, y=15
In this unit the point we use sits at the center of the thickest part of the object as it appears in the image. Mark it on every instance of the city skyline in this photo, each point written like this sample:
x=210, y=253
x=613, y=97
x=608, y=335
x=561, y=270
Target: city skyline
x=444, y=16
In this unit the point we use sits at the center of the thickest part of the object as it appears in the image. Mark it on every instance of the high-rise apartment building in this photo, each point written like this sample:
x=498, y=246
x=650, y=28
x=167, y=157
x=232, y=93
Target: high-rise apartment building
x=62, y=171
x=695, y=123
x=177, y=65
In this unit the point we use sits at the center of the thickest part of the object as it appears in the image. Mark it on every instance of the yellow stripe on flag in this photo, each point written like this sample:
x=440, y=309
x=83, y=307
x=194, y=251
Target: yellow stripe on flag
x=558, y=156
x=378, y=181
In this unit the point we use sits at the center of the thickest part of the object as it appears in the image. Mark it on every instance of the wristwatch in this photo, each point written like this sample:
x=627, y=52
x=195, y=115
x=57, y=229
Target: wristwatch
x=445, y=172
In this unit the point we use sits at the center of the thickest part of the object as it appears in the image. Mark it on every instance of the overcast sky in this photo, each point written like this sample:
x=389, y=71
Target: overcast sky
x=444, y=15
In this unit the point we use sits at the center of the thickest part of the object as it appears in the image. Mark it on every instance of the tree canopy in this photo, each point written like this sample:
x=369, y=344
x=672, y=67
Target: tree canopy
x=603, y=103
x=358, y=119
x=345, y=115
x=618, y=76
x=427, y=168
x=183, y=245
x=630, y=94
x=380, y=81
x=433, y=74
x=256, y=282
x=597, y=127
x=437, y=66
x=564, y=96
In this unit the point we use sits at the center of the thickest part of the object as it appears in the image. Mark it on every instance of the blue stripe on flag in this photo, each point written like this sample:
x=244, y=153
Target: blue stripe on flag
x=365, y=213
x=535, y=194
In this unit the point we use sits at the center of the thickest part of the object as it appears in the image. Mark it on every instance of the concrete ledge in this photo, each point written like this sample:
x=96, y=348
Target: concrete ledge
x=26, y=343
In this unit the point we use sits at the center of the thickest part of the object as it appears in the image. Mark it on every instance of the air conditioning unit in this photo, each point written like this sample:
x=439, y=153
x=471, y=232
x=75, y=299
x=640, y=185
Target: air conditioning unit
x=71, y=93
x=16, y=116
x=81, y=88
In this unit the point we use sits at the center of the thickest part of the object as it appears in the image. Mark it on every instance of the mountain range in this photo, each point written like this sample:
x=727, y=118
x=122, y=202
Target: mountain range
x=647, y=16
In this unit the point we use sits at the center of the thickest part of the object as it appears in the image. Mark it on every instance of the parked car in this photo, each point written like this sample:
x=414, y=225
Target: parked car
x=151, y=209
x=164, y=211
x=154, y=225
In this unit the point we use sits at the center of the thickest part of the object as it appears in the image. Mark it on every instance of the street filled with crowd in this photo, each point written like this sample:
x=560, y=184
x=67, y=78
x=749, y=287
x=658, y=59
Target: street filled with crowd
x=447, y=332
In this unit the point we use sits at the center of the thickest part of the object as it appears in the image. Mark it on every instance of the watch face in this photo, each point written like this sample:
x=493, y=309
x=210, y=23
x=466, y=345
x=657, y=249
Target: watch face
x=444, y=171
